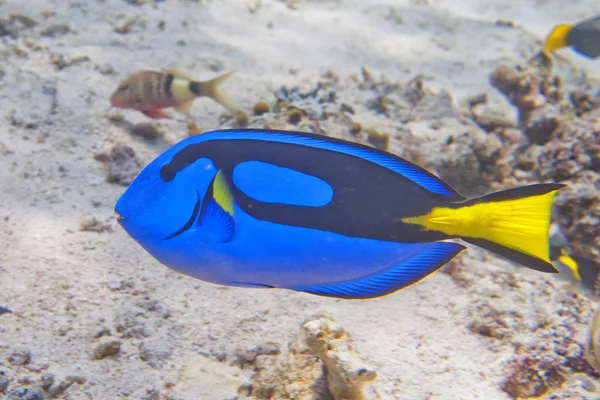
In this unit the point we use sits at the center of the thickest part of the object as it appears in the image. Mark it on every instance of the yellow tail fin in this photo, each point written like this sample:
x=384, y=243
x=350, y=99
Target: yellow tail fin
x=212, y=89
x=557, y=39
x=513, y=223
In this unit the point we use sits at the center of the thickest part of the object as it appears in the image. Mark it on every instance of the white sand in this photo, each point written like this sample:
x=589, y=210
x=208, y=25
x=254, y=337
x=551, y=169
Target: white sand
x=55, y=276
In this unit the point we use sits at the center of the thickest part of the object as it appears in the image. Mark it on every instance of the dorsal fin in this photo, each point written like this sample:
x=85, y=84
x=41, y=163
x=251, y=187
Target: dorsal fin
x=407, y=169
x=177, y=73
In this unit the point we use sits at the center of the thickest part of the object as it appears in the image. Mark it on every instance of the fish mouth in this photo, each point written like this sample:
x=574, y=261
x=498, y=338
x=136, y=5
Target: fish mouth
x=190, y=221
x=120, y=218
x=116, y=102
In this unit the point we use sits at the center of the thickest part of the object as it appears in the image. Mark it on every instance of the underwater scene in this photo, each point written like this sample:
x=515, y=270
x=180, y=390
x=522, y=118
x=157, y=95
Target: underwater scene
x=299, y=199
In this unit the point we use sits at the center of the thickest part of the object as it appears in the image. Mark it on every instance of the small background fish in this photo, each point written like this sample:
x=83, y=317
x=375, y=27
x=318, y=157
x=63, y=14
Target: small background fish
x=151, y=91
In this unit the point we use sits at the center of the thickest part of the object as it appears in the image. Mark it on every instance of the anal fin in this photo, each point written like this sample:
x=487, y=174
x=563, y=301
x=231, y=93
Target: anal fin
x=157, y=114
x=425, y=261
x=184, y=107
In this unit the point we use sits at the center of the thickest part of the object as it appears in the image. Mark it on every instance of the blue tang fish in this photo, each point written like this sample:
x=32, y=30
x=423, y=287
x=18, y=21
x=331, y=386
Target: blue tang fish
x=310, y=213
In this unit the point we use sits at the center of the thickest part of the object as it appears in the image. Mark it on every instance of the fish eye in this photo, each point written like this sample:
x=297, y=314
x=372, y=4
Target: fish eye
x=123, y=88
x=167, y=173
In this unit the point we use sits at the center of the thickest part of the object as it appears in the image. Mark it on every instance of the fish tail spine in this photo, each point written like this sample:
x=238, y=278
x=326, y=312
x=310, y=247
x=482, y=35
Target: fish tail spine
x=212, y=89
x=558, y=38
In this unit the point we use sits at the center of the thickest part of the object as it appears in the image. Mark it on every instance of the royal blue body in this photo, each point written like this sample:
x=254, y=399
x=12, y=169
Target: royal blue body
x=164, y=210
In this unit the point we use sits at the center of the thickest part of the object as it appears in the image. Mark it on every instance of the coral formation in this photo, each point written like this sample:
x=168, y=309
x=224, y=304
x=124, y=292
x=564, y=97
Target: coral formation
x=556, y=139
x=321, y=363
x=122, y=164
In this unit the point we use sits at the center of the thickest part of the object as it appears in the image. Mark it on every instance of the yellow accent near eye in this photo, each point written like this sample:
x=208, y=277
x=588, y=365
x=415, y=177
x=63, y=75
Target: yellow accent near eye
x=222, y=193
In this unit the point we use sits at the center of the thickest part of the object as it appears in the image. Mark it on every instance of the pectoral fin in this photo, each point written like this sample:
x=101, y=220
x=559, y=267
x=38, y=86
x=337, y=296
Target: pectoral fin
x=216, y=224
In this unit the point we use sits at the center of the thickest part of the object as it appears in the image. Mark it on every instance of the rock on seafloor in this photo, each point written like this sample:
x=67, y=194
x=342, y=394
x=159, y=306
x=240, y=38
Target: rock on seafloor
x=107, y=347
x=556, y=139
x=321, y=363
x=204, y=378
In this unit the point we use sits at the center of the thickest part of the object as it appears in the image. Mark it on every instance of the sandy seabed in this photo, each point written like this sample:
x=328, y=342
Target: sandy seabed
x=92, y=307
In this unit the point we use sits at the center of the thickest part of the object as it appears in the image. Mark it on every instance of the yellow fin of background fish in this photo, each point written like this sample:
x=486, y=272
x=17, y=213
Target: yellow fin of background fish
x=570, y=263
x=184, y=107
x=557, y=39
x=222, y=193
x=509, y=227
x=211, y=88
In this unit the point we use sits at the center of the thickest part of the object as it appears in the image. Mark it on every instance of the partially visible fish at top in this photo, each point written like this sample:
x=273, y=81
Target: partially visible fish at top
x=583, y=38
x=311, y=213
x=152, y=91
